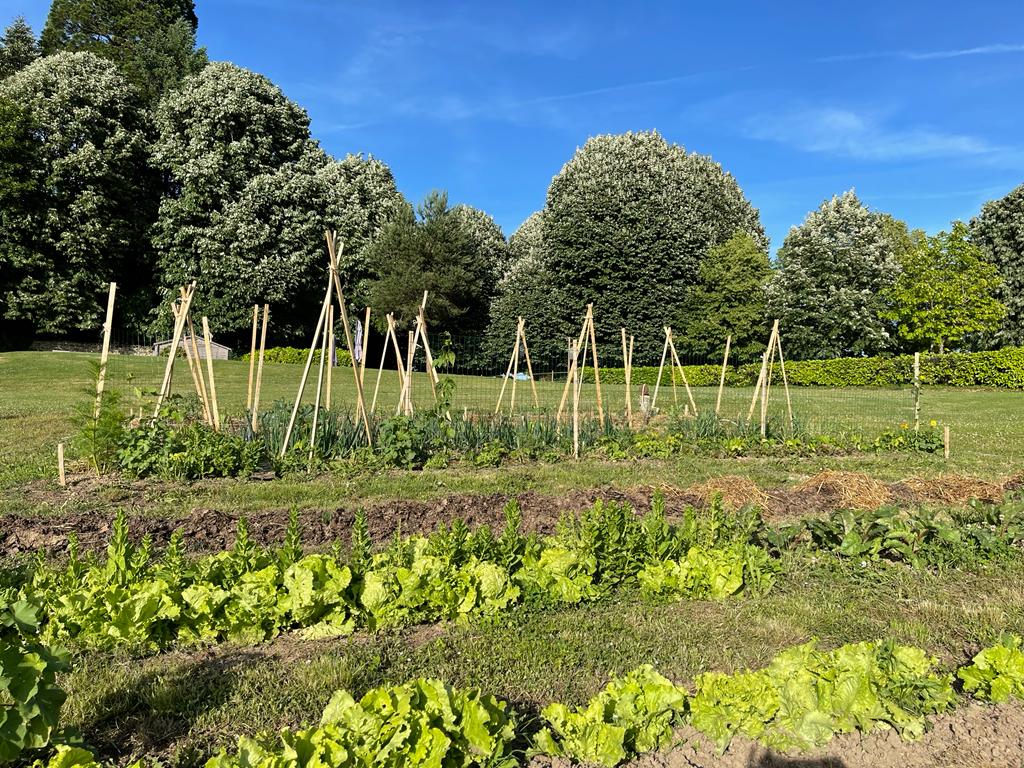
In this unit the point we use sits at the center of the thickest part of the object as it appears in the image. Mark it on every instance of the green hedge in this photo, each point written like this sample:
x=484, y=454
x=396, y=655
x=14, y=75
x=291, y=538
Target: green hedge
x=297, y=355
x=1003, y=368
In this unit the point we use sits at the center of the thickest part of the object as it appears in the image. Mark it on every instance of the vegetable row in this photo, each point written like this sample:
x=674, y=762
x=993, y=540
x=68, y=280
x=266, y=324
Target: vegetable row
x=801, y=700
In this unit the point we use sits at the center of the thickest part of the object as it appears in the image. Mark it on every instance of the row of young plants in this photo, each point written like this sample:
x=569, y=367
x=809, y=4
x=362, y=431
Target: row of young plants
x=801, y=700
x=179, y=445
x=132, y=599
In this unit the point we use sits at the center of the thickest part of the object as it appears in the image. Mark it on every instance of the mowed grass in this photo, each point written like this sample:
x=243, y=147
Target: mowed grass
x=39, y=392
x=185, y=705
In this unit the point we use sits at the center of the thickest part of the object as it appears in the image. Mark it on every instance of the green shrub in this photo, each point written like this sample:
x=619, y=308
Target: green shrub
x=297, y=356
x=1003, y=368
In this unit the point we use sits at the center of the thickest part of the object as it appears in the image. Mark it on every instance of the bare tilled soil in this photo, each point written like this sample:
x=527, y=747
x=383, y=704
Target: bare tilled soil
x=975, y=736
x=207, y=530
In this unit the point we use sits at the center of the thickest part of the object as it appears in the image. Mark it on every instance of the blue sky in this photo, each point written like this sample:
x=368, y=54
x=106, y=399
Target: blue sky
x=915, y=104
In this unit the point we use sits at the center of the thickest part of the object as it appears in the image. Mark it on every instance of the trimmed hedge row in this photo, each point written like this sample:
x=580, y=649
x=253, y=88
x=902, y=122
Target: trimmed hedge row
x=1002, y=368
x=295, y=355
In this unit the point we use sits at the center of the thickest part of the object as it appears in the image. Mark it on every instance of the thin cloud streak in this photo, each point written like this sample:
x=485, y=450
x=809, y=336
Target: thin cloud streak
x=981, y=50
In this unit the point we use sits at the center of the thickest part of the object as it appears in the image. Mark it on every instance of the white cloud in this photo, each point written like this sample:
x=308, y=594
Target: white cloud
x=851, y=134
x=981, y=50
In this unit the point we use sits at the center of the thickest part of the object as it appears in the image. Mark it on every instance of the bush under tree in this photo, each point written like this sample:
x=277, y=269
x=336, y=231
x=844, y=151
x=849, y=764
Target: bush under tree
x=945, y=292
x=729, y=299
x=828, y=289
x=999, y=231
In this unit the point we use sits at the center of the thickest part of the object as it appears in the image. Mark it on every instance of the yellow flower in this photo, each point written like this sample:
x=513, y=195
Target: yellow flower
x=933, y=423
x=904, y=425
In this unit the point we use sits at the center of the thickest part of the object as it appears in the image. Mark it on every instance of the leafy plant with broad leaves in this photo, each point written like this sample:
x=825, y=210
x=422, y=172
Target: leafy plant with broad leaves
x=28, y=681
x=632, y=715
x=996, y=673
x=421, y=723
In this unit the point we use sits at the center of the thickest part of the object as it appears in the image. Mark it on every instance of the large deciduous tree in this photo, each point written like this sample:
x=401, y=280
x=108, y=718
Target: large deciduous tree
x=627, y=224
x=250, y=198
x=999, y=231
x=832, y=271
x=433, y=251
x=490, y=240
x=153, y=42
x=82, y=221
x=18, y=47
x=729, y=299
x=529, y=290
x=945, y=292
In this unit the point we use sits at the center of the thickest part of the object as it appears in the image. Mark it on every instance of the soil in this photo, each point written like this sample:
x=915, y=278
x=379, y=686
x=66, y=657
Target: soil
x=210, y=530
x=974, y=736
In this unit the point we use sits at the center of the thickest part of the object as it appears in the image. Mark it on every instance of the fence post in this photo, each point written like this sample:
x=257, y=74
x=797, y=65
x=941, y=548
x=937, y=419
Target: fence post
x=917, y=391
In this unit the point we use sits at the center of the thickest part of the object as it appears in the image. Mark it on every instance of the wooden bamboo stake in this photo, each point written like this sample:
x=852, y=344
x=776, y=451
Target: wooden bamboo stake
x=383, y=355
x=945, y=442
x=529, y=366
x=259, y=369
x=579, y=343
x=108, y=326
x=411, y=351
x=305, y=371
x=348, y=336
x=575, y=405
x=515, y=369
x=582, y=367
x=421, y=325
x=785, y=381
x=179, y=326
x=204, y=394
x=760, y=381
x=366, y=344
x=661, y=368
x=629, y=382
x=682, y=373
x=508, y=372
x=61, y=476
x=319, y=389
x=193, y=363
x=625, y=373
x=766, y=393
x=252, y=355
x=329, y=334
x=721, y=380
x=597, y=371
x=917, y=391
x=209, y=369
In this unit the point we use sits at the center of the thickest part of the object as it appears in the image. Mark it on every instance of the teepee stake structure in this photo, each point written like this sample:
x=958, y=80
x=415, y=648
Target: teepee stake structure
x=513, y=370
x=587, y=335
x=670, y=346
x=762, y=389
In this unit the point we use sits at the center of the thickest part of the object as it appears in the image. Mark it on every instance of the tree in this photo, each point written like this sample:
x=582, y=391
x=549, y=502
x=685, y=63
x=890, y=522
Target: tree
x=94, y=200
x=729, y=299
x=434, y=252
x=490, y=240
x=528, y=289
x=153, y=42
x=627, y=223
x=827, y=290
x=250, y=198
x=999, y=231
x=945, y=292
x=18, y=47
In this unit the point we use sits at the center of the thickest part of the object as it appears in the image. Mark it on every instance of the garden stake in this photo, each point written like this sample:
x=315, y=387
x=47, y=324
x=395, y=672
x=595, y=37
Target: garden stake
x=529, y=365
x=61, y=477
x=108, y=324
x=330, y=355
x=305, y=371
x=252, y=355
x=316, y=403
x=179, y=326
x=721, y=380
x=259, y=368
x=348, y=335
x=209, y=369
